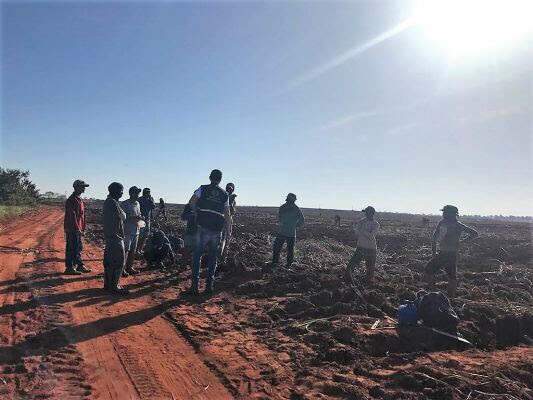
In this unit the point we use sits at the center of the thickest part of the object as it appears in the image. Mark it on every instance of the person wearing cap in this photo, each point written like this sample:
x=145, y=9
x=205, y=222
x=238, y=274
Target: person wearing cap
x=74, y=224
x=211, y=206
x=365, y=233
x=113, y=221
x=132, y=225
x=228, y=228
x=146, y=202
x=446, y=237
x=290, y=219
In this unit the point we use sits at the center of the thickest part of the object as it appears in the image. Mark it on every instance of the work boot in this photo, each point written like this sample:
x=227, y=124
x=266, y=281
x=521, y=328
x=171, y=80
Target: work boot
x=83, y=269
x=71, y=271
x=193, y=291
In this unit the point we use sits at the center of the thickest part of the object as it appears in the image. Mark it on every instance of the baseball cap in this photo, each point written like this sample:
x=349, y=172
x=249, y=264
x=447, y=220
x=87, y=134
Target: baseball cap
x=134, y=189
x=115, y=187
x=450, y=208
x=291, y=197
x=79, y=183
x=369, y=209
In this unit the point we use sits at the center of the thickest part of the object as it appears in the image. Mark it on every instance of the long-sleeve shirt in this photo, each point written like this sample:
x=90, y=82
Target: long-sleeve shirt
x=147, y=206
x=448, y=234
x=114, y=219
x=133, y=211
x=74, y=214
x=290, y=218
x=366, y=231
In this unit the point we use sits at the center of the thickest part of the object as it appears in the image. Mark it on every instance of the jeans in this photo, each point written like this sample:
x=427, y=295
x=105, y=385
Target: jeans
x=211, y=240
x=73, y=249
x=113, y=262
x=130, y=246
x=278, y=245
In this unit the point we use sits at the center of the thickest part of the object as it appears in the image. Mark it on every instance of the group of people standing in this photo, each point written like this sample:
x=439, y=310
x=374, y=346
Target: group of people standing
x=209, y=215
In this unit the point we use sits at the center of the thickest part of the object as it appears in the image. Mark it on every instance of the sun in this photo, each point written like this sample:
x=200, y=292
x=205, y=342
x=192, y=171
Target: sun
x=472, y=27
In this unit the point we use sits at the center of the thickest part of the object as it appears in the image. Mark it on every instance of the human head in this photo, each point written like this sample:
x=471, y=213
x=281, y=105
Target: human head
x=450, y=212
x=291, y=198
x=146, y=192
x=161, y=200
x=369, y=212
x=116, y=190
x=230, y=188
x=215, y=176
x=134, y=192
x=79, y=186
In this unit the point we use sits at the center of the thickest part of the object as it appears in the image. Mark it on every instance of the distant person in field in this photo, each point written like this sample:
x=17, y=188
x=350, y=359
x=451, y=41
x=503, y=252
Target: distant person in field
x=228, y=227
x=337, y=220
x=132, y=208
x=365, y=233
x=114, y=254
x=162, y=209
x=74, y=227
x=290, y=219
x=447, y=236
x=146, y=202
x=211, y=205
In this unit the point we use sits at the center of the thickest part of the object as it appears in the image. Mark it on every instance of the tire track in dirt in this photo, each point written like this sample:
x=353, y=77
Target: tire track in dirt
x=59, y=333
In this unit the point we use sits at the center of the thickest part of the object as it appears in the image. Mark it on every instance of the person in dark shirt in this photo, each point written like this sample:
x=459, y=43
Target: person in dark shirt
x=158, y=249
x=74, y=224
x=290, y=219
x=114, y=252
x=447, y=236
x=146, y=201
x=162, y=209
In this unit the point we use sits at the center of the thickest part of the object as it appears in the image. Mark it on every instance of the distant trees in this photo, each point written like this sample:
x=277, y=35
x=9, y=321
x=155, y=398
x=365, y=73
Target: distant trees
x=16, y=187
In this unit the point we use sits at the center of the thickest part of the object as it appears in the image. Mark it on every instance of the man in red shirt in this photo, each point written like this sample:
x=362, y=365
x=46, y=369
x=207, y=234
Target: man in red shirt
x=74, y=228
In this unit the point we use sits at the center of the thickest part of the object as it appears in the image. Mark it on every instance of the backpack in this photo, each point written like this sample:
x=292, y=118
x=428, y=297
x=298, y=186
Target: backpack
x=435, y=311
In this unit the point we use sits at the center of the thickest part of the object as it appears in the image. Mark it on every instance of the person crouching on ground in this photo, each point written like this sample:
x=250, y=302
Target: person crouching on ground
x=366, y=245
x=114, y=255
x=132, y=209
x=290, y=219
x=158, y=250
x=210, y=203
x=447, y=235
x=74, y=227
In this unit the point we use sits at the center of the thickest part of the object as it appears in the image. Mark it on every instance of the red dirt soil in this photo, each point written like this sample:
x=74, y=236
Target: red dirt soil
x=64, y=338
x=297, y=334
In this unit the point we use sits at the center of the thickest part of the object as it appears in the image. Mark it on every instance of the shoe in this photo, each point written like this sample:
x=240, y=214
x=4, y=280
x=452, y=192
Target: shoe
x=132, y=271
x=120, y=291
x=193, y=291
x=83, y=269
x=71, y=271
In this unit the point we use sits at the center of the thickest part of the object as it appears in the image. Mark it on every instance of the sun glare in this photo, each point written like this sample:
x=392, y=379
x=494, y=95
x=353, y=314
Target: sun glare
x=471, y=27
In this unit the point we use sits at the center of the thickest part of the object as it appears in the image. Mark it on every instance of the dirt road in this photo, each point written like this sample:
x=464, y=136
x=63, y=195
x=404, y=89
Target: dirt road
x=63, y=337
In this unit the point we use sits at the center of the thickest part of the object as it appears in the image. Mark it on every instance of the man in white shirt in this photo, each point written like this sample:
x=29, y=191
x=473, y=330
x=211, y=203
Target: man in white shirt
x=365, y=232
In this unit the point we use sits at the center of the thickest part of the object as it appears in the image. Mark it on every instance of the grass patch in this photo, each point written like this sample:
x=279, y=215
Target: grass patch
x=7, y=212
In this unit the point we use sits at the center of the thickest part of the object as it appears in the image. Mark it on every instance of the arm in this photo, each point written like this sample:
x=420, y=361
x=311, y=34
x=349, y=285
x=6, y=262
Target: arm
x=301, y=219
x=470, y=232
x=434, y=239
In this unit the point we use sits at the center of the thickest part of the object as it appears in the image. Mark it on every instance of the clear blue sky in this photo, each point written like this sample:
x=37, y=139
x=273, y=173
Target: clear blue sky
x=335, y=101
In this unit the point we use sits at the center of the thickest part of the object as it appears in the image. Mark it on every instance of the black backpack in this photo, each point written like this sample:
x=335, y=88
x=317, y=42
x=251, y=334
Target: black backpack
x=435, y=311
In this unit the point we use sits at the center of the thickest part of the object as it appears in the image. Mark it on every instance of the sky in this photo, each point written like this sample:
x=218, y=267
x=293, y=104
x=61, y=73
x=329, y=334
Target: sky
x=346, y=104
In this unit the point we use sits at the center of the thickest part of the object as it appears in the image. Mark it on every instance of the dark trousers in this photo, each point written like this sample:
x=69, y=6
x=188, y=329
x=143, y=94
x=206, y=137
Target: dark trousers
x=113, y=262
x=278, y=245
x=73, y=249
